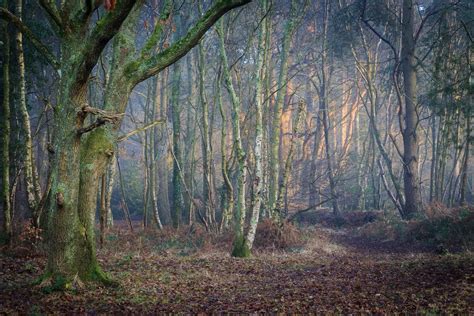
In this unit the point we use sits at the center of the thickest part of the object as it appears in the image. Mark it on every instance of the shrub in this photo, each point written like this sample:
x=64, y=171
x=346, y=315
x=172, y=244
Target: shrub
x=273, y=235
x=441, y=229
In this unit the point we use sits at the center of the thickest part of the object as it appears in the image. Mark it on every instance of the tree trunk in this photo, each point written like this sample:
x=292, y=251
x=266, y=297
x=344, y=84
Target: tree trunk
x=463, y=185
x=324, y=108
x=33, y=191
x=153, y=157
x=258, y=180
x=162, y=165
x=71, y=229
x=410, y=143
x=290, y=27
x=206, y=141
x=5, y=135
x=188, y=167
x=177, y=212
x=240, y=248
x=228, y=203
x=103, y=210
x=280, y=207
x=111, y=169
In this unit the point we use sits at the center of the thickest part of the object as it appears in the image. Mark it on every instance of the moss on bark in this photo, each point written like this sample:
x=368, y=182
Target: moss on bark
x=240, y=248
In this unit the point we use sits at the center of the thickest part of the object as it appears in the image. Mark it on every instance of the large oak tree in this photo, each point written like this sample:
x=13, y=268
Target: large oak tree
x=81, y=150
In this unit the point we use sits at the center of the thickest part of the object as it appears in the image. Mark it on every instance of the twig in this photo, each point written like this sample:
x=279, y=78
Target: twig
x=138, y=130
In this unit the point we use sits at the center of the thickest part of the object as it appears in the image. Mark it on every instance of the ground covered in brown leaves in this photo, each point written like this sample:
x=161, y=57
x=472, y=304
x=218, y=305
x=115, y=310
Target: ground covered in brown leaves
x=192, y=276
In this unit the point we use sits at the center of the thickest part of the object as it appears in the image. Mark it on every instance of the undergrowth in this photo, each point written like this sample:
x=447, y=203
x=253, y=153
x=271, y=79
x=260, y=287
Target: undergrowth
x=440, y=229
x=281, y=236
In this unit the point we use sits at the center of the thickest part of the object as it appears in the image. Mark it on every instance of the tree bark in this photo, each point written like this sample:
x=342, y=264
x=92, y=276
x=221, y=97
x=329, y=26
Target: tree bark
x=33, y=190
x=280, y=207
x=290, y=27
x=258, y=180
x=178, y=204
x=410, y=143
x=324, y=108
x=228, y=203
x=111, y=170
x=5, y=134
x=240, y=249
x=206, y=141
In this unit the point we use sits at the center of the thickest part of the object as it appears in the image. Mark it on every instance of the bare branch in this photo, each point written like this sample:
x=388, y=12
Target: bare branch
x=141, y=129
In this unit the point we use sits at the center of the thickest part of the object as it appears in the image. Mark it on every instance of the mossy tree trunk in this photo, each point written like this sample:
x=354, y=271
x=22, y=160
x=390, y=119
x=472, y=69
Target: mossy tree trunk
x=70, y=230
x=240, y=248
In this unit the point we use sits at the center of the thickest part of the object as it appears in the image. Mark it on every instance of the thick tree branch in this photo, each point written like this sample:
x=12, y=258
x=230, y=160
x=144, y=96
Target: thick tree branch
x=145, y=68
x=158, y=30
x=104, y=30
x=10, y=17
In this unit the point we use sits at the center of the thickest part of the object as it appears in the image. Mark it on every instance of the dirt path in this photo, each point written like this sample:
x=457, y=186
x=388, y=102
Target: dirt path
x=323, y=276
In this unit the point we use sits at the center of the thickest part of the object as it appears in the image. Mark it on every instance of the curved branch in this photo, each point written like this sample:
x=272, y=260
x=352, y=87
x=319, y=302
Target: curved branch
x=145, y=68
x=43, y=49
x=106, y=28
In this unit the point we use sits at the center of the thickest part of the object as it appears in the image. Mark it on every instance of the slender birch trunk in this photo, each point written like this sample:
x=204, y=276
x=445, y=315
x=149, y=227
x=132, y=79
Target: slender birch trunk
x=154, y=153
x=228, y=203
x=280, y=207
x=258, y=180
x=103, y=210
x=111, y=170
x=33, y=190
x=240, y=249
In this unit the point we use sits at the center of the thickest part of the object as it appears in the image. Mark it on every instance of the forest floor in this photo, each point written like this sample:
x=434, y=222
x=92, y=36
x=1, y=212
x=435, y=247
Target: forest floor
x=329, y=273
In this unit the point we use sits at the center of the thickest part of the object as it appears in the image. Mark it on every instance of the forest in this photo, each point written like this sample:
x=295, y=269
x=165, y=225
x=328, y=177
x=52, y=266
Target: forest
x=237, y=156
